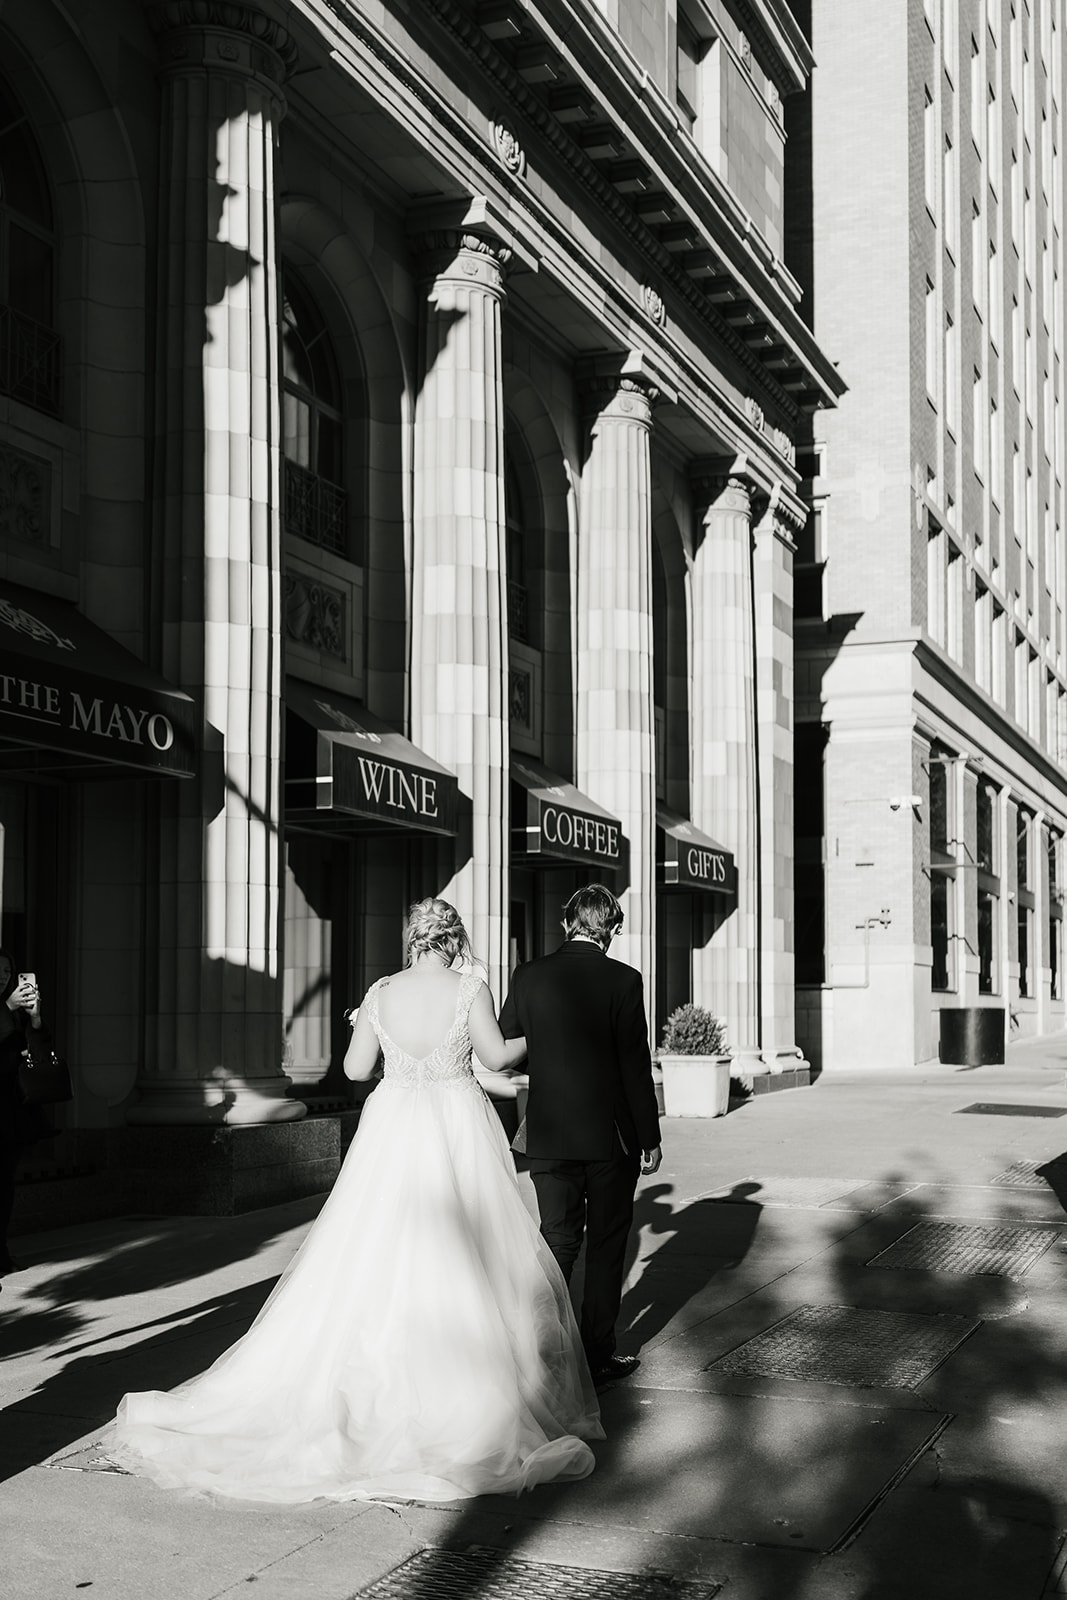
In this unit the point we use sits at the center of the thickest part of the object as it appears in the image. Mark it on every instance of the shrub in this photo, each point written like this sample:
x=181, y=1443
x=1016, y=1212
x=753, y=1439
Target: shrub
x=693, y=1031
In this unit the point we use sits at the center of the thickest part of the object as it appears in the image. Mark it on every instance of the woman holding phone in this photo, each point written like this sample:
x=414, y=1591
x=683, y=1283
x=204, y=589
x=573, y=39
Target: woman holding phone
x=21, y=1028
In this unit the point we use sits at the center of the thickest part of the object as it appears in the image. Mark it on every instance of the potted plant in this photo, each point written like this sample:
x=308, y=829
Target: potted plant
x=695, y=1064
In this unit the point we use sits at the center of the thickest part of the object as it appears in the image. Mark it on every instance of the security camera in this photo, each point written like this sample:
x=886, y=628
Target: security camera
x=905, y=800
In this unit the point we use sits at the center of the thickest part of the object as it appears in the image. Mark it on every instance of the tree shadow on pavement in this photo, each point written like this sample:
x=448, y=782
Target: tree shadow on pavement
x=935, y=1486
x=127, y=1266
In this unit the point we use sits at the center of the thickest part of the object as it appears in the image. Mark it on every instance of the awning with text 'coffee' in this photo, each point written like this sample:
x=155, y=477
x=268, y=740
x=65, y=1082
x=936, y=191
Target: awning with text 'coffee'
x=686, y=858
x=347, y=772
x=74, y=703
x=559, y=823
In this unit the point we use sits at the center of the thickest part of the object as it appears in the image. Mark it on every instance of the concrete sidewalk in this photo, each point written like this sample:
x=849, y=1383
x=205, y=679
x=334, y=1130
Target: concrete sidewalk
x=896, y=1433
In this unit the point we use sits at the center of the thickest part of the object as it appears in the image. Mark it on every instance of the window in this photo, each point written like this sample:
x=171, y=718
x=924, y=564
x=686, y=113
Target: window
x=977, y=97
x=996, y=297
x=1053, y=844
x=983, y=637
x=979, y=425
x=996, y=454
x=954, y=599
x=525, y=556
x=1024, y=908
x=1021, y=695
x=699, y=82
x=931, y=341
x=316, y=506
x=936, y=583
x=1000, y=654
x=952, y=377
x=930, y=152
x=987, y=879
x=952, y=199
x=994, y=144
x=29, y=345
x=942, y=878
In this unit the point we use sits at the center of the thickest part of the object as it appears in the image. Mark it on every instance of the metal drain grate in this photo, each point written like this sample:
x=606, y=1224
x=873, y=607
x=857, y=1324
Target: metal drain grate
x=983, y=1108
x=492, y=1575
x=786, y=1191
x=845, y=1345
x=1021, y=1175
x=968, y=1247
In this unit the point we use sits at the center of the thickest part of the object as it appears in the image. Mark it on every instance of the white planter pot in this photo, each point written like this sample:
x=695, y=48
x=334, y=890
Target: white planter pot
x=695, y=1086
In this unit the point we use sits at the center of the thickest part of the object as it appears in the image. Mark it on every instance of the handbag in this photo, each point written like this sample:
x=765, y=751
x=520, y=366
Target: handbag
x=44, y=1081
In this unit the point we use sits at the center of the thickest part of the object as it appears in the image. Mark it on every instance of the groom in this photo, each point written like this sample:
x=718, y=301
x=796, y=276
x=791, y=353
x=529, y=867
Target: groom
x=591, y=1118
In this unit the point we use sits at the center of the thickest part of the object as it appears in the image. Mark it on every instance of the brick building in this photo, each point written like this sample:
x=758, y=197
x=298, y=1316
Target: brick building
x=931, y=654
x=398, y=409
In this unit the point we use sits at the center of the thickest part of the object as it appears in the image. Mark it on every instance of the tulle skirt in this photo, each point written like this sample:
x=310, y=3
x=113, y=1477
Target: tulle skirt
x=420, y=1345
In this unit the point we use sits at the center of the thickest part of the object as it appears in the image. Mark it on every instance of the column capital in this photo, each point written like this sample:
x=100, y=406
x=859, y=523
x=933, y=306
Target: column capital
x=722, y=483
x=617, y=385
x=224, y=36
x=454, y=253
x=783, y=515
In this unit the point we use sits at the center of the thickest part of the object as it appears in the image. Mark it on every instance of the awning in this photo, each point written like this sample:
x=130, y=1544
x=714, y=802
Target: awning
x=686, y=858
x=74, y=702
x=346, y=771
x=560, y=823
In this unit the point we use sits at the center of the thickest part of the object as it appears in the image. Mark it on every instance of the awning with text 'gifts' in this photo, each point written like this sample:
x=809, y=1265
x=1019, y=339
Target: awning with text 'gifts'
x=686, y=858
x=552, y=821
x=74, y=703
x=348, y=772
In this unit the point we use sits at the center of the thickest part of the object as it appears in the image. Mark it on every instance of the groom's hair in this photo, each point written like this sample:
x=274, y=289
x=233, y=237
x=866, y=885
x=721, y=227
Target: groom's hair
x=593, y=911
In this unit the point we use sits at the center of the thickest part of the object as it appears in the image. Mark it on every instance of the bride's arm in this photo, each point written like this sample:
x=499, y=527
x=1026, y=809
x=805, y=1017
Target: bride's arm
x=361, y=1057
x=499, y=1056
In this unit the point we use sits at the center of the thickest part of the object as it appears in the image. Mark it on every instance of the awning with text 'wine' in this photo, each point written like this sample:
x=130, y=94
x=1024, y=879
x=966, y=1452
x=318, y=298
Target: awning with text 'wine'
x=348, y=772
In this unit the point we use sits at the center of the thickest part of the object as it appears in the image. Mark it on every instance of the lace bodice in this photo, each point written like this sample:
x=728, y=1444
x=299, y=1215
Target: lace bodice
x=448, y=1063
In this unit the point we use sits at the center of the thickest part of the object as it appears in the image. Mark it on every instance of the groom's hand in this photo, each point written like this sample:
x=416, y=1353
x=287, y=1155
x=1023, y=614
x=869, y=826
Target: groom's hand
x=650, y=1160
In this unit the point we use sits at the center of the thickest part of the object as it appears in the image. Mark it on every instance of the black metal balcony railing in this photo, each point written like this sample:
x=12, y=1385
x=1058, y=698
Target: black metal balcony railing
x=315, y=509
x=29, y=361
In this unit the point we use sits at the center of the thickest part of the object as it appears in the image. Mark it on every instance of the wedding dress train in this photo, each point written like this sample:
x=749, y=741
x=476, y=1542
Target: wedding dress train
x=420, y=1344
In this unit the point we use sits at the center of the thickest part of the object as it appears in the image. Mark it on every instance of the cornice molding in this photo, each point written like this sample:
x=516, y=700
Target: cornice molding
x=520, y=97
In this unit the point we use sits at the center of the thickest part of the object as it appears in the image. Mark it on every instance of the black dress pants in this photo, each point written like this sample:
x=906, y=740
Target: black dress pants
x=594, y=1198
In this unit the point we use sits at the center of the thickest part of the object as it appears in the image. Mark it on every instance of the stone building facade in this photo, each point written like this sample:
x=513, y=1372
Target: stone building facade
x=398, y=420
x=931, y=647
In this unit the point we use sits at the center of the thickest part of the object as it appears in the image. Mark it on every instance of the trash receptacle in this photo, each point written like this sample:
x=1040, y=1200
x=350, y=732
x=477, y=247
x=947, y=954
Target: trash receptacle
x=972, y=1036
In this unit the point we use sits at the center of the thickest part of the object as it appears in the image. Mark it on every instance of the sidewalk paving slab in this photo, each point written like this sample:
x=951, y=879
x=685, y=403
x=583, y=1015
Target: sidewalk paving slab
x=768, y=1487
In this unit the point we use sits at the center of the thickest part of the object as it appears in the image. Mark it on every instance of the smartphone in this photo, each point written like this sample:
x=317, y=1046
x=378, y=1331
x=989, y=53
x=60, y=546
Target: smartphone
x=28, y=977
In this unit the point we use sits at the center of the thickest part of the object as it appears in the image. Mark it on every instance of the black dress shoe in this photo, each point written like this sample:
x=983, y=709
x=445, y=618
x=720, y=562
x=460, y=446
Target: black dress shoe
x=614, y=1368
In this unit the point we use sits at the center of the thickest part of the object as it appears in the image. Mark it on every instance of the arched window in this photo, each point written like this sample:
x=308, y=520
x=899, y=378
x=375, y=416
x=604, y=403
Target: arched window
x=316, y=506
x=515, y=517
x=29, y=345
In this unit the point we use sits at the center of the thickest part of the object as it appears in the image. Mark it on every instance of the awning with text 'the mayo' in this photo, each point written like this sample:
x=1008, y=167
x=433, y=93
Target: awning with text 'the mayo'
x=560, y=823
x=348, y=772
x=74, y=703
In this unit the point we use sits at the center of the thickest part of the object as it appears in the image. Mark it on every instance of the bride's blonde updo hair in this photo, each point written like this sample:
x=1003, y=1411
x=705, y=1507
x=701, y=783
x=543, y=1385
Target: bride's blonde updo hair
x=435, y=927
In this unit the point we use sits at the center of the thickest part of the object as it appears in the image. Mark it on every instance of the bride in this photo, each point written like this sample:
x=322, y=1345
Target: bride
x=421, y=1343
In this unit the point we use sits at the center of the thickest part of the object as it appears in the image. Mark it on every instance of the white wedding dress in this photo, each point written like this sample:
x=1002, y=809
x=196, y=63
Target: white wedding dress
x=421, y=1343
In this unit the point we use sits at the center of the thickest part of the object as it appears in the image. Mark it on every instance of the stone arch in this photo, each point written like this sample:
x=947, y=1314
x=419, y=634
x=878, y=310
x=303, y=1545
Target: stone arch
x=99, y=190
x=379, y=380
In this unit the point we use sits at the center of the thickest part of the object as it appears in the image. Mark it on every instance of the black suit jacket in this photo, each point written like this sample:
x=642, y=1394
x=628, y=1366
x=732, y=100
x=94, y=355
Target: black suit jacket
x=590, y=1068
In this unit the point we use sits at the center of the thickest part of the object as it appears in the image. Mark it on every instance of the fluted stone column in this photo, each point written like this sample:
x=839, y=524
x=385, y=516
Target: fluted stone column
x=615, y=720
x=459, y=708
x=215, y=1020
x=725, y=790
x=773, y=583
